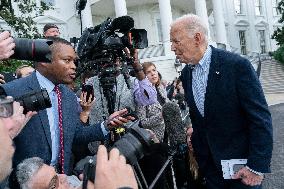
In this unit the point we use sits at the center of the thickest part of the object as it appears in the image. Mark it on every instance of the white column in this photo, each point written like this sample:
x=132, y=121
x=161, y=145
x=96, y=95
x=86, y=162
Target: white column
x=87, y=20
x=201, y=11
x=221, y=34
x=166, y=20
x=120, y=8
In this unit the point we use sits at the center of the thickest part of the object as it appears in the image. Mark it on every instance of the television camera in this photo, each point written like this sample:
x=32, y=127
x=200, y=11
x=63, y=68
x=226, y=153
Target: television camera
x=104, y=49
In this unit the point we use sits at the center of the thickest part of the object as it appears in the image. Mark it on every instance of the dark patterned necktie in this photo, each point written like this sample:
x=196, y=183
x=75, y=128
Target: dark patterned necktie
x=61, y=153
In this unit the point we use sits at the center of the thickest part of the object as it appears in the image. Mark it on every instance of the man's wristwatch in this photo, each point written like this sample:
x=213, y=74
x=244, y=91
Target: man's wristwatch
x=255, y=172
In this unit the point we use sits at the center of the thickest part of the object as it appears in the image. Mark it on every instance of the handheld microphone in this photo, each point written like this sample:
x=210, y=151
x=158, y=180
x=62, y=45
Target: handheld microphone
x=177, y=135
x=123, y=24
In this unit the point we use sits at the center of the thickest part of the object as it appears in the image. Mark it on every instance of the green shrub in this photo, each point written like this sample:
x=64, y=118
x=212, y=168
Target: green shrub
x=279, y=54
x=11, y=65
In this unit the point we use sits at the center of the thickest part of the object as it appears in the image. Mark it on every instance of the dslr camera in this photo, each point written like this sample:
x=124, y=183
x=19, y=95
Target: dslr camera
x=32, y=101
x=32, y=50
x=133, y=145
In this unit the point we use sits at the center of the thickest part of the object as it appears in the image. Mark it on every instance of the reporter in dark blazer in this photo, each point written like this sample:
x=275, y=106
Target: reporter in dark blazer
x=229, y=113
x=35, y=140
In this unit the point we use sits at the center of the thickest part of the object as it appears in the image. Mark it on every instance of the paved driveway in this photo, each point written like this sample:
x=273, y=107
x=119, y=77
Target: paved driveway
x=275, y=180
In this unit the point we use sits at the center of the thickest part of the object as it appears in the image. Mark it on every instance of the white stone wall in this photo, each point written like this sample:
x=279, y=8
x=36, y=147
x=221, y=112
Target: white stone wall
x=251, y=23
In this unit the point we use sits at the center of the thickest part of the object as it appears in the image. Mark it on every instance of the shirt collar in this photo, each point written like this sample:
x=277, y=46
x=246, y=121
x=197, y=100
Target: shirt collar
x=206, y=59
x=44, y=82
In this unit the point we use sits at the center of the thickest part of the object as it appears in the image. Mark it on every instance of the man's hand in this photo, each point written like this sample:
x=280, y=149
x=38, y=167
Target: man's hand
x=189, y=132
x=248, y=178
x=113, y=172
x=6, y=45
x=116, y=119
x=18, y=120
x=86, y=105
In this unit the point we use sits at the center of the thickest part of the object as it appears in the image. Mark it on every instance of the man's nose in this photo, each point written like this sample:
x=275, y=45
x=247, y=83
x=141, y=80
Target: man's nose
x=73, y=65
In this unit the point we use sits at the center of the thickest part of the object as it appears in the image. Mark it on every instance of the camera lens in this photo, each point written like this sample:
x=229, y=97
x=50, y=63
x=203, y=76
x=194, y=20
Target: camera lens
x=35, y=101
x=134, y=144
x=32, y=49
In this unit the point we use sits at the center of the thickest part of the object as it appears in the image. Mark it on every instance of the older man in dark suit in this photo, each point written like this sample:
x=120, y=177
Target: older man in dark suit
x=51, y=133
x=229, y=113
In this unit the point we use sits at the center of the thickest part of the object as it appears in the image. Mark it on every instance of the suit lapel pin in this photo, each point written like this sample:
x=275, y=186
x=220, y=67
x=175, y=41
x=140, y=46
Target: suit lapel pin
x=217, y=72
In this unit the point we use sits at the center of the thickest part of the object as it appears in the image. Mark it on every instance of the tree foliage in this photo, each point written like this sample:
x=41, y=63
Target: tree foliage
x=19, y=15
x=278, y=34
x=279, y=54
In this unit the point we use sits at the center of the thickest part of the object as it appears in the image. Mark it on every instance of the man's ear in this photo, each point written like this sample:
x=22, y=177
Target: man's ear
x=197, y=38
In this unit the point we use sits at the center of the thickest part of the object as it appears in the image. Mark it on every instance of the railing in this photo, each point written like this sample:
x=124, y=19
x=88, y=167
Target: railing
x=254, y=57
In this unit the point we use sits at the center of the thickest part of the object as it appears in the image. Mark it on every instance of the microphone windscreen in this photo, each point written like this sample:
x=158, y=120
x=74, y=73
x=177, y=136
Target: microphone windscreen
x=173, y=123
x=123, y=24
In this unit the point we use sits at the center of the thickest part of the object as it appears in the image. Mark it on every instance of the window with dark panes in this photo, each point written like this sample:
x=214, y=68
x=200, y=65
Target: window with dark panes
x=243, y=45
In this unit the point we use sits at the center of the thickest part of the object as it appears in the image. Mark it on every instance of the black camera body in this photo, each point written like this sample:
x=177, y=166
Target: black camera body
x=32, y=101
x=101, y=46
x=133, y=146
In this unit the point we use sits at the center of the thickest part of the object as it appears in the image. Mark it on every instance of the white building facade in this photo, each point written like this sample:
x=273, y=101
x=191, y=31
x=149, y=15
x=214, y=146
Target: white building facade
x=243, y=26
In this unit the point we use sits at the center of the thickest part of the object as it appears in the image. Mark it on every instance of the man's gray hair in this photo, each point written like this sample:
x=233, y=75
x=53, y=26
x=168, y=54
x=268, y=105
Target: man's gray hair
x=193, y=24
x=27, y=169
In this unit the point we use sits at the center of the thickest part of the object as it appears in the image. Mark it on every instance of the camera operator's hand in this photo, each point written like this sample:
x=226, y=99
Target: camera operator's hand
x=116, y=119
x=140, y=75
x=2, y=79
x=6, y=45
x=18, y=120
x=86, y=105
x=112, y=171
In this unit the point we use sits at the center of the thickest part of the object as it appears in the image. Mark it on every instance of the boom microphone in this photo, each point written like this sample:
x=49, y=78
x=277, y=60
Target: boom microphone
x=123, y=24
x=173, y=124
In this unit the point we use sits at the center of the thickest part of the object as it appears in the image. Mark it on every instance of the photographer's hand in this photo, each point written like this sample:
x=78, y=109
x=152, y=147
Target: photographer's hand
x=113, y=172
x=6, y=45
x=18, y=120
x=116, y=119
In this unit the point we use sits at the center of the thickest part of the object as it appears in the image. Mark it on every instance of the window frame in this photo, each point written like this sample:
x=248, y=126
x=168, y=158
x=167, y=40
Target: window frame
x=258, y=7
x=262, y=40
x=275, y=10
x=243, y=42
x=238, y=4
x=52, y=5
